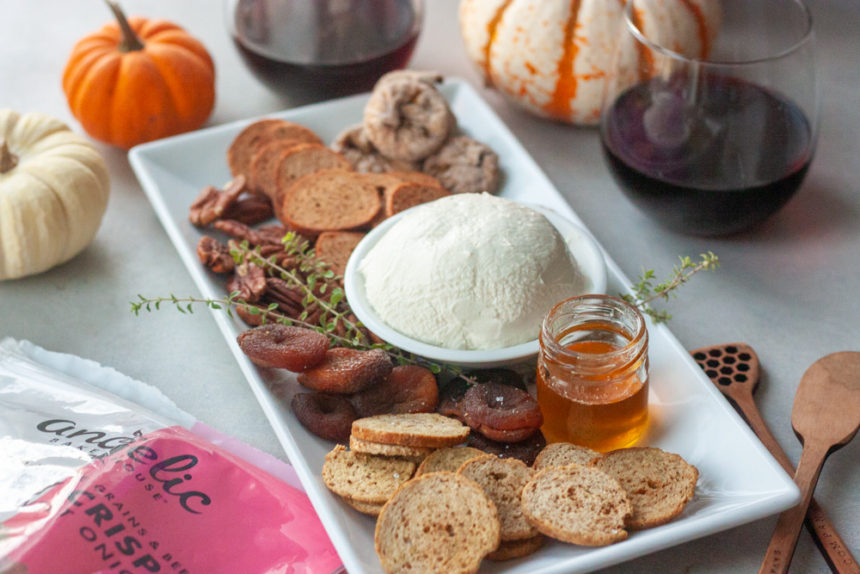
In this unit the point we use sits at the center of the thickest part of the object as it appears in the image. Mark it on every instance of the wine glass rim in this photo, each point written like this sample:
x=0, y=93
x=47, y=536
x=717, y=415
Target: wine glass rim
x=804, y=39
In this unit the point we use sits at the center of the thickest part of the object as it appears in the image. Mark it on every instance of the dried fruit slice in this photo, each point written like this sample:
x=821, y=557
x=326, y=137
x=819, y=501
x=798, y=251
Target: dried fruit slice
x=284, y=346
x=407, y=119
x=353, y=145
x=408, y=389
x=501, y=412
x=465, y=165
x=327, y=416
x=347, y=371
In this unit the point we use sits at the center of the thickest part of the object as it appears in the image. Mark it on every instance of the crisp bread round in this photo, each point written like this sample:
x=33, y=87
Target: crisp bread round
x=564, y=453
x=323, y=199
x=658, y=483
x=503, y=480
x=413, y=429
x=369, y=508
x=363, y=477
x=367, y=447
x=254, y=136
x=424, y=527
x=447, y=459
x=511, y=549
x=577, y=504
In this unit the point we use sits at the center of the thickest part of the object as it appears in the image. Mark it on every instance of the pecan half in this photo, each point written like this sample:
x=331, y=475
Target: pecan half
x=250, y=210
x=288, y=297
x=250, y=282
x=211, y=203
x=215, y=255
x=264, y=235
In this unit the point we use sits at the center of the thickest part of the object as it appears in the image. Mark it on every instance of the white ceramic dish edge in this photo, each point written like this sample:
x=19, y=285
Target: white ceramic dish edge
x=583, y=248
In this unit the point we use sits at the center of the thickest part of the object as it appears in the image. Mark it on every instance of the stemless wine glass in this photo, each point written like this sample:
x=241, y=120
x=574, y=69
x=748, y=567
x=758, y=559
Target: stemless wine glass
x=713, y=145
x=325, y=48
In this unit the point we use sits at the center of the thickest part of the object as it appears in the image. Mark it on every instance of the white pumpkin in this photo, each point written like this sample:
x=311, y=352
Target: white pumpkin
x=54, y=189
x=552, y=56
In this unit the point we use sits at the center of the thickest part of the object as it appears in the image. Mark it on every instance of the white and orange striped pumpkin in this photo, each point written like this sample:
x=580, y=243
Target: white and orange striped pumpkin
x=552, y=56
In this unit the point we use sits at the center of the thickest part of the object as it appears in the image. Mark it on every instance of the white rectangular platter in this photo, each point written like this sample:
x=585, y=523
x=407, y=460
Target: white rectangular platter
x=738, y=480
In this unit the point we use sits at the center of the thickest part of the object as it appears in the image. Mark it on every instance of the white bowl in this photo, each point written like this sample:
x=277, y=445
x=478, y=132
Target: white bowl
x=583, y=248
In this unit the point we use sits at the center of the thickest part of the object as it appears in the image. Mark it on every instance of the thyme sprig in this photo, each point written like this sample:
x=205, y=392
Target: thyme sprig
x=314, y=277
x=321, y=290
x=227, y=304
x=644, y=291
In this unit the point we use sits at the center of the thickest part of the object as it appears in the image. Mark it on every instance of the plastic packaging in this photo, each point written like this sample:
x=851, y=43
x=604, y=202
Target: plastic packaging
x=92, y=482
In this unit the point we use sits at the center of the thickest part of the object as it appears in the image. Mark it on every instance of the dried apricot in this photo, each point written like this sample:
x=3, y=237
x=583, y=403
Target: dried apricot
x=284, y=346
x=348, y=371
x=501, y=412
x=408, y=389
x=327, y=416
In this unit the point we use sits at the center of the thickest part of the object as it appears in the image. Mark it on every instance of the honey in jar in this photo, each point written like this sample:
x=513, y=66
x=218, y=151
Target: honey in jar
x=592, y=375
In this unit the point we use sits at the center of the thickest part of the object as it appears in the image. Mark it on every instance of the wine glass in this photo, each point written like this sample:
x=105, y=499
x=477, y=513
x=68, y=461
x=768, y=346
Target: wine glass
x=715, y=145
x=324, y=48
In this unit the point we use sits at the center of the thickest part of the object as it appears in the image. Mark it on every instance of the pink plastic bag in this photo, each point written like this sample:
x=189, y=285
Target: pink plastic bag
x=134, y=495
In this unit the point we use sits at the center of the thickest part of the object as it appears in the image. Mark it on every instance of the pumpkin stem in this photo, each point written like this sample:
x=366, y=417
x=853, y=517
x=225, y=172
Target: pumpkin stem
x=8, y=160
x=130, y=41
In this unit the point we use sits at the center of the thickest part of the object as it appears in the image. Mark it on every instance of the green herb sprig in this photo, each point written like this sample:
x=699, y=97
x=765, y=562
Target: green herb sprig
x=321, y=291
x=644, y=291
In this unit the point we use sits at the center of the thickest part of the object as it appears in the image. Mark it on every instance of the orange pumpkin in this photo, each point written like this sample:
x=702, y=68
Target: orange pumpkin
x=137, y=80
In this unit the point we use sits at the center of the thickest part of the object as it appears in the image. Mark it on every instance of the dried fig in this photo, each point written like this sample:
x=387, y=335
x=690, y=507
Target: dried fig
x=408, y=389
x=501, y=412
x=327, y=416
x=352, y=143
x=464, y=165
x=407, y=119
x=284, y=346
x=348, y=371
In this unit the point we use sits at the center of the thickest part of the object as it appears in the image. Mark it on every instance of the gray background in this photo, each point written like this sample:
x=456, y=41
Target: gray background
x=789, y=289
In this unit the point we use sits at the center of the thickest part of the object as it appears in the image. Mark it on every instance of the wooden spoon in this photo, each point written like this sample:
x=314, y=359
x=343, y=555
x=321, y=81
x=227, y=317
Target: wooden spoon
x=734, y=369
x=825, y=417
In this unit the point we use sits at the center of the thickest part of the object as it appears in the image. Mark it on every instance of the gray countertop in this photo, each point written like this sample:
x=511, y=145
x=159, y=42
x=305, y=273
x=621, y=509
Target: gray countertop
x=789, y=288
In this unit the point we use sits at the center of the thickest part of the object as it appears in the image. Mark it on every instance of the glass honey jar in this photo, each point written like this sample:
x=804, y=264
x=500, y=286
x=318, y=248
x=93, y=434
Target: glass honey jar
x=592, y=373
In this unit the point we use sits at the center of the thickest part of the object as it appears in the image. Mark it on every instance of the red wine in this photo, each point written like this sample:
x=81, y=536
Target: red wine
x=333, y=80
x=324, y=47
x=727, y=164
